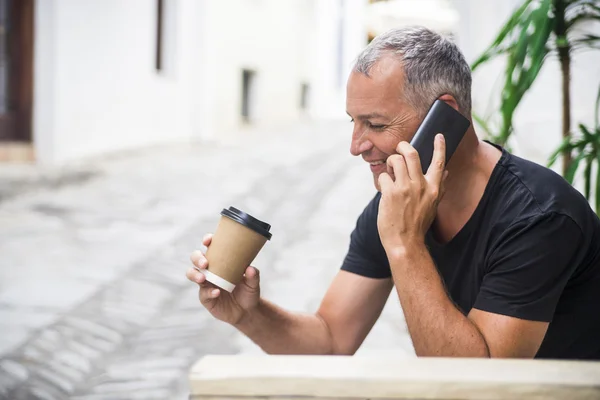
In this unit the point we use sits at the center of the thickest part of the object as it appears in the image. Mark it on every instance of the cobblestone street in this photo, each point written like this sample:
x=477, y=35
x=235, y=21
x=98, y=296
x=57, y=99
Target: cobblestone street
x=94, y=303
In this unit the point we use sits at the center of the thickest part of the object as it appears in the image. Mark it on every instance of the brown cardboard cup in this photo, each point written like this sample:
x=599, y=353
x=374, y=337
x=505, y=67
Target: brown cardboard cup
x=236, y=242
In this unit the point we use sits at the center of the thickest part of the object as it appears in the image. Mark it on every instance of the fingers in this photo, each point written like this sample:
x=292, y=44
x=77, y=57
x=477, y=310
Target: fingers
x=385, y=182
x=252, y=278
x=413, y=161
x=195, y=276
x=436, y=169
x=207, y=239
x=208, y=293
x=398, y=165
x=199, y=260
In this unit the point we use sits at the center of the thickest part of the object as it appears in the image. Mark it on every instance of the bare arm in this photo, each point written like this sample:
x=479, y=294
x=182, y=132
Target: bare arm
x=407, y=209
x=347, y=313
x=438, y=328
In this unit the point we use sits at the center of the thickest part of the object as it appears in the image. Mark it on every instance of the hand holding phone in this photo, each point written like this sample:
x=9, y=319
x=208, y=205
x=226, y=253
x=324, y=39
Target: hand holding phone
x=441, y=118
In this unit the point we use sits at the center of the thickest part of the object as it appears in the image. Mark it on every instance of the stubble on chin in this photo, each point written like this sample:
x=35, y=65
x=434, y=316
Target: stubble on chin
x=376, y=182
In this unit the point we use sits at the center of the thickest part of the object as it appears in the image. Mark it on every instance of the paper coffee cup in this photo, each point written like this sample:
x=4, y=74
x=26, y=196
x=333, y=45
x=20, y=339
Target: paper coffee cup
x=238, y=239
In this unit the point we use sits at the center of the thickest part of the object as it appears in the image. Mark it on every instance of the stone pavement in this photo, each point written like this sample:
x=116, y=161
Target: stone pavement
x=94, y=303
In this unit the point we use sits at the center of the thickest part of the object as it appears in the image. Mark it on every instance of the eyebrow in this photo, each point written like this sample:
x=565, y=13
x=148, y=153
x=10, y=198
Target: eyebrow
x=367, y=116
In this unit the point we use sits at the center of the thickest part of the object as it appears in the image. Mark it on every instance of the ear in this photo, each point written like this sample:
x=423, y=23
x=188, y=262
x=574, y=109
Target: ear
x=450, y=100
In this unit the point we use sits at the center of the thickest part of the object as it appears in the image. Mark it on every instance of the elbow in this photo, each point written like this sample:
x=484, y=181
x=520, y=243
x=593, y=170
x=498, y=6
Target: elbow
x=343, y=351
x=464, y=353
x=333, y=345
x=475, y=347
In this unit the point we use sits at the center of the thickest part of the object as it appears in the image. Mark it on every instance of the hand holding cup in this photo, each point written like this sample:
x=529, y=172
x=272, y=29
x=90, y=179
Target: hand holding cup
x=224, y=306
x=229, y=287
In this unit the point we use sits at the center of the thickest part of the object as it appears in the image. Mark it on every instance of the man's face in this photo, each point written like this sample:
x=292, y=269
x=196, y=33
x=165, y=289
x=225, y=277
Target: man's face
x=381, y=118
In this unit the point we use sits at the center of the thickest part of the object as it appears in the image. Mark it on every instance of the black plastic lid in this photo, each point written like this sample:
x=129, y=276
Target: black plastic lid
x=248, y=220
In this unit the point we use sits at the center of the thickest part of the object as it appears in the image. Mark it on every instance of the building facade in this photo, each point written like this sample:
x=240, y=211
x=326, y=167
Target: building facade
x=102, y=76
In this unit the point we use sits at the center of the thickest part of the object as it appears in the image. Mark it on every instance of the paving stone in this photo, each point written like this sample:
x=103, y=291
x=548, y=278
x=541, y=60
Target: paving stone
x=108, y=254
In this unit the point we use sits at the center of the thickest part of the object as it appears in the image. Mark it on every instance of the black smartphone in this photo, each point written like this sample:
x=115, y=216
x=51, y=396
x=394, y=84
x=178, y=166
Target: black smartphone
x=441, y=118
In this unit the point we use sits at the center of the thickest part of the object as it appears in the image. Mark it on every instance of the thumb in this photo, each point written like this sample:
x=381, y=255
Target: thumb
x=252, y=278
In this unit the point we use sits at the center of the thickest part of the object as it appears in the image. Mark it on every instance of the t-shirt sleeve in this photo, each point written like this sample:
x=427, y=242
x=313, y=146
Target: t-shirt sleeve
x=366, y=255
x=529, y=267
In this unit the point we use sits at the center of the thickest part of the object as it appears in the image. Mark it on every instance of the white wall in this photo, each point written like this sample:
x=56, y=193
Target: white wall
x=265, y=36
x=96, y=87
x=329, y=80
x=97, y=90
x=439, y=15
x=286, y=43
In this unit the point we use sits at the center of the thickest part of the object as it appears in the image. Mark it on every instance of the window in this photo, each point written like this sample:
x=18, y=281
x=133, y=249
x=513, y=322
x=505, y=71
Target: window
x=160, y=11
x=166, y=13
x=304, y=96
x=248, y=77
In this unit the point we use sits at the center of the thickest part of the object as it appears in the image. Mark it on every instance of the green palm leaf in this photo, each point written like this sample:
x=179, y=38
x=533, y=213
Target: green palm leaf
x=596, y=112
x=496, y=48
x=587, y=175
x=570, y=175
x=525, y=62
x=598, y=183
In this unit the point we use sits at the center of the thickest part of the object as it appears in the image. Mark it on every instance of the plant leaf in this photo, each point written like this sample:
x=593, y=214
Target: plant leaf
x=596, y=112
x=567, y=144
x=581, y=18
x=598, y=181
x=587, y=175
x=587, y=135
x=588, y=40
x=579, y=11
x=570, y=175
x=503, y=35
x=525, y=62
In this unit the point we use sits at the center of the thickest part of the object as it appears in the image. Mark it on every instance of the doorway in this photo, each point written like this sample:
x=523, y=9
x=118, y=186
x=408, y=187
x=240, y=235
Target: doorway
x=16, y=70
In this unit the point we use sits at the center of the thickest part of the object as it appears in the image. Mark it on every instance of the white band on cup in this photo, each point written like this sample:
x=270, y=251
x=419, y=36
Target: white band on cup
x=217, y=280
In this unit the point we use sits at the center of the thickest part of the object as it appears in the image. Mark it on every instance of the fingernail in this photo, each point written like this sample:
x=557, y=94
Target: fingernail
x=215, y=292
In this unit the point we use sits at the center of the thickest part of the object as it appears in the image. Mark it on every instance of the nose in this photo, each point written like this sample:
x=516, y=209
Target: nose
x=360, y=143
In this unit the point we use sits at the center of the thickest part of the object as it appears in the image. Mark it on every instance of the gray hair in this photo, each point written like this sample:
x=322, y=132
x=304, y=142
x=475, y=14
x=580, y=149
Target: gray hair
x=433, y=66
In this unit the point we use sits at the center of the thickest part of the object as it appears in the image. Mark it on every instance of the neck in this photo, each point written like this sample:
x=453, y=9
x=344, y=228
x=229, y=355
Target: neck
x=464, y=165
x=469, y=171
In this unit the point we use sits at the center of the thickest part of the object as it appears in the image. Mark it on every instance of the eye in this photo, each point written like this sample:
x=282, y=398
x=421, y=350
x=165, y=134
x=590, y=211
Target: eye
x=351, y=119
x=374, y=126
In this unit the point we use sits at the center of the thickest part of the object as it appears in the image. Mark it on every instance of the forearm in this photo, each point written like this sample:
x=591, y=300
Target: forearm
x=278, y=331
x=435, y=324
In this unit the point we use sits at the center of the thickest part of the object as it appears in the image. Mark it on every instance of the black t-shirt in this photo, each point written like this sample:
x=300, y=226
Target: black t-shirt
x=531, y=250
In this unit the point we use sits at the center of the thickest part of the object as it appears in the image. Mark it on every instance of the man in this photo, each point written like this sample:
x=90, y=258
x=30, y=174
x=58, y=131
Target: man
x=493, y=256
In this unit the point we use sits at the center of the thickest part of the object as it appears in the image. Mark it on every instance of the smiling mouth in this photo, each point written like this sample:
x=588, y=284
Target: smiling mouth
x=376, y=163
x=377, y=167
